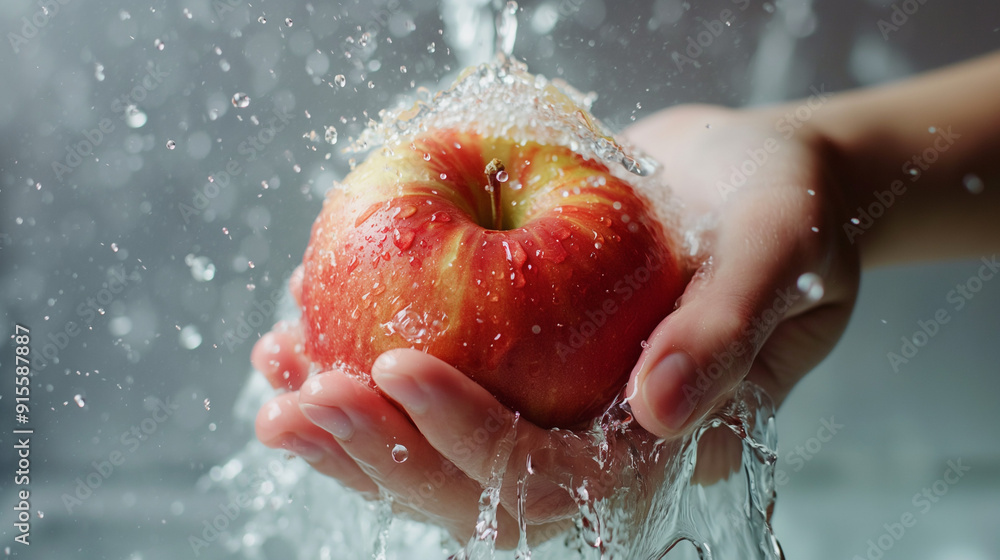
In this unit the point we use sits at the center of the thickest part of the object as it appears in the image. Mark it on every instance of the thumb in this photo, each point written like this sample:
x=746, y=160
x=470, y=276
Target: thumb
x=701, y=351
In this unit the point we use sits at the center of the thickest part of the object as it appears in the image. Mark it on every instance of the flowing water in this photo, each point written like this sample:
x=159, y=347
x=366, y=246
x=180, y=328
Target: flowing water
x=636, y=499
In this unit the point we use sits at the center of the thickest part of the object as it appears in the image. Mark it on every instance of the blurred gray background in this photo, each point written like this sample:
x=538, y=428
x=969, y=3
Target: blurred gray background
x=114, y=116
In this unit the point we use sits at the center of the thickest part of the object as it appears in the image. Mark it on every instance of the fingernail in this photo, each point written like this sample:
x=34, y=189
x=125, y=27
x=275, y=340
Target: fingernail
x=330, y=418
x=385, y=361
x=402, y=389
x=670, y=391
x=308, y=451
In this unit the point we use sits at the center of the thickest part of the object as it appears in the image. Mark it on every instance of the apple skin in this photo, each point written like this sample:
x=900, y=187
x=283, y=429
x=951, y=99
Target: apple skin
x=547, y=314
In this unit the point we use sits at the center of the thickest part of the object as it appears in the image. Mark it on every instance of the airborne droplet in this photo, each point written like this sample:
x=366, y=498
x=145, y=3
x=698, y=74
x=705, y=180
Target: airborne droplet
x=340, y=80
x=811, y=285
x=330, y=135
x=241, y=100
x=973, y=183
x=400, y=453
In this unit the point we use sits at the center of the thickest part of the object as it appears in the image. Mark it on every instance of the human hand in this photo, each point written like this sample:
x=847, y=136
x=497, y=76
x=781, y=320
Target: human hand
x=456, y=436
x=748, y=313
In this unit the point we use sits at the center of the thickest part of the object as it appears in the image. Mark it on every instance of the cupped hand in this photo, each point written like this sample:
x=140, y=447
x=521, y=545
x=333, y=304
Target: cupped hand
x=431, y=440
x=778, y=277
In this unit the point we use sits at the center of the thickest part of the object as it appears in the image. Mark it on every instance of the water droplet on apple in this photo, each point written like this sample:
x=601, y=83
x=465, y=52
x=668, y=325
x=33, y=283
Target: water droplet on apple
x=400, y=453
x=631, y=165
x=441, y=216
x=811, y=285
x=403, y=239
x=502, y=176
x=427, y=157
x=405, y=212
x=443, y=176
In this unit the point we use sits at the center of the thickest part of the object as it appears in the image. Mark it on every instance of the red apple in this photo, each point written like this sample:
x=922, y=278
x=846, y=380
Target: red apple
x=544, y=301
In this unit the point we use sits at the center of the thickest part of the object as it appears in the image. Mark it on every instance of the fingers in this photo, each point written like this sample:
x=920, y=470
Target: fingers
x=281, y=425
x=369, y=428
x=439, y=399
x=469, y=427
x=295, y=284
x=702, y=350
x=278, y=355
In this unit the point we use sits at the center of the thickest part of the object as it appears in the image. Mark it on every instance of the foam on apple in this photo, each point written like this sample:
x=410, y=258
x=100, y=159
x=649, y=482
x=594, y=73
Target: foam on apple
x=538, y=277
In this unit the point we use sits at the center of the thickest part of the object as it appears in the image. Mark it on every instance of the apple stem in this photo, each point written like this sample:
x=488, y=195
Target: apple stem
x=494, y=167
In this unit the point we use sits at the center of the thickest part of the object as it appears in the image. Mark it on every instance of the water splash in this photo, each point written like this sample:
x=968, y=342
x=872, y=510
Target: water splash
x=507, y=29
x=639, y=501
